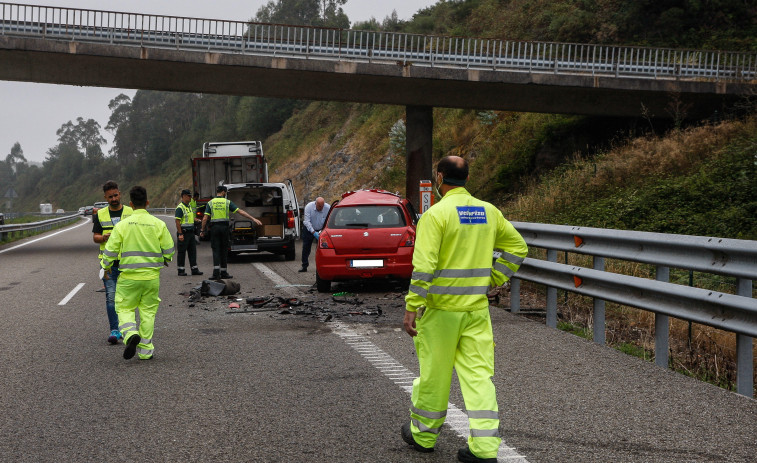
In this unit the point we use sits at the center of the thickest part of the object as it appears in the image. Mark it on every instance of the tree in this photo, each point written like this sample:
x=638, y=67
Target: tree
x=15, y=157
x=328, y=13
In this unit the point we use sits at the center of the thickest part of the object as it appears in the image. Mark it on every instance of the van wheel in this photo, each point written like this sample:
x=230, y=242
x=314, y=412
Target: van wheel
x=323, y=286
x=290, y=253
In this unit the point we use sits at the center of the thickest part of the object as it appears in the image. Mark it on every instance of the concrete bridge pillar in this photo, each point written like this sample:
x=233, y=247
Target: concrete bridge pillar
x=419, y=128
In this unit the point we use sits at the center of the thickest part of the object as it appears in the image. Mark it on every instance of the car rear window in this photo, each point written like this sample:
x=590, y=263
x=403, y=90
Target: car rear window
x=367, y=217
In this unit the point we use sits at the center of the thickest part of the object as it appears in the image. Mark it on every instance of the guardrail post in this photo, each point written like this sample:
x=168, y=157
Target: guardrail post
x=599, y=307
x=551, y=295
x=744, y=350
x=661, y=325
x=514, y=295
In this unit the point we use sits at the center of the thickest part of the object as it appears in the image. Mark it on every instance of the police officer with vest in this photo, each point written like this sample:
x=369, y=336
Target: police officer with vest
x=447, y=311
x=185, y=234
x=145, y=246
x=102, y=225
x=218, y=211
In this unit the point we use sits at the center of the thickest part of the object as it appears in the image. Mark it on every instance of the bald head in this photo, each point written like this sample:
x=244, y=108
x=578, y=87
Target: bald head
x=319, y=202
x=453, y=169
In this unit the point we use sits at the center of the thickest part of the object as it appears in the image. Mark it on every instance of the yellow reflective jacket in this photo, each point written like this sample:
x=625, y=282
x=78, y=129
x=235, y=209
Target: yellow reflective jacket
x=142, y=243
x=452, y=261
x=103, y=216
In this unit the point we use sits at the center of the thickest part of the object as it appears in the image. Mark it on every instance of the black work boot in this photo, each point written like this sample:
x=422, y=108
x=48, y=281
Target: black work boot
x=216, y=275
x=182, y=273
x=466, y=456
x=196, y=271
x=131, y=346
x=226, y=275
x=407, y=436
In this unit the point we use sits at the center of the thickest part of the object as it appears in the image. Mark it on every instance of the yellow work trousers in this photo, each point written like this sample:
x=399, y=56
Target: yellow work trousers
x=462, y=340
x=142, y=294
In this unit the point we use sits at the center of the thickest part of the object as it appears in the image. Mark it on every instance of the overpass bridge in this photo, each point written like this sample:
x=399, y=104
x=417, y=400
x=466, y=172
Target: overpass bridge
x=173, y=53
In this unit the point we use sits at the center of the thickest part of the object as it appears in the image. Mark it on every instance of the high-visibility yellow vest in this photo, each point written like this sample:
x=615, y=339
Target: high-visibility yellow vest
x=187, y=220
x=452, y=260
x=142, y=243
x=193, y=204
x=219, y=209
x=103, y=216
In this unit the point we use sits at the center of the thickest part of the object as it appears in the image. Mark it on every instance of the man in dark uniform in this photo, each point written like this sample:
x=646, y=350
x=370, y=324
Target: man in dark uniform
x=185, y=234
x=218, y=211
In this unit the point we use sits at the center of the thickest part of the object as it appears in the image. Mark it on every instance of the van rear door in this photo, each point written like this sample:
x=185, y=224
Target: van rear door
x=295, y=208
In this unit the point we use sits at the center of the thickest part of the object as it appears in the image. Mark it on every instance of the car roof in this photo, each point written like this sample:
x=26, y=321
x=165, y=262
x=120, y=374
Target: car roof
x=369, y=197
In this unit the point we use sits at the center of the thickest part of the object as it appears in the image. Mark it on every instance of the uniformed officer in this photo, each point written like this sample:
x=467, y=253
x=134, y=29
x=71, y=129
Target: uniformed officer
x=218, y=211
x=144, y=246
x=102, y=224
x=185, y=235
x=447, y=311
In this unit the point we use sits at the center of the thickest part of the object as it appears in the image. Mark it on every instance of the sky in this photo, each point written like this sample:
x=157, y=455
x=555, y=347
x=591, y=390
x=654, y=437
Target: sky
x=32, y=112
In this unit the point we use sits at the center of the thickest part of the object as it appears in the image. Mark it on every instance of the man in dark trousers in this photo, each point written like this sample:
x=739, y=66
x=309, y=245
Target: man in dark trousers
x=185, y=235
x=218, y=212
x=315, y=217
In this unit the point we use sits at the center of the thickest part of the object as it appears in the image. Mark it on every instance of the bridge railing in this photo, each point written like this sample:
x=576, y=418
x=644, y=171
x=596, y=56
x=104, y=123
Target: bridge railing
x=736, y=313
x=225, y=36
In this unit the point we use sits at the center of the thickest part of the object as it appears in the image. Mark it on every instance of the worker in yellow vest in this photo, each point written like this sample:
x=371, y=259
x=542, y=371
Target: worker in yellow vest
x=185, y=235
x=144, y=245
x=447, y=311
x=102, y=224
x=218, y=212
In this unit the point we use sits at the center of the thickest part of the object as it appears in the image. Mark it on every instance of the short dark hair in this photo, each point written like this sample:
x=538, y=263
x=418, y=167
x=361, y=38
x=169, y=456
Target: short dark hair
x=110, y=185
x=220, y=188
x=452, y=169
x=138, y=196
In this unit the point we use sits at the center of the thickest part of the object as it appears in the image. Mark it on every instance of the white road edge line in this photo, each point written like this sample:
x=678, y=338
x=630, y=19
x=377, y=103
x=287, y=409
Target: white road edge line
x=73, y=292
x=44, y=237
x=457, y=419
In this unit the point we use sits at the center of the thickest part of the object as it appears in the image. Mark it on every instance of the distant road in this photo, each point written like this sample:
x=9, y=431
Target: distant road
x=270, y=386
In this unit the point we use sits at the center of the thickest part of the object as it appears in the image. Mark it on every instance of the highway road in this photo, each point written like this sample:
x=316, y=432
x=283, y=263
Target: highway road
x=324, y=381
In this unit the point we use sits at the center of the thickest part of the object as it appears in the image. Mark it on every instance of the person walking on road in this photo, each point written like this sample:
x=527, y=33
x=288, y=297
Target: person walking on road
x=102, y=225
x=145, y=246
x=185, y=235
x=218, y=211
x=315, y=218
x=447, y=311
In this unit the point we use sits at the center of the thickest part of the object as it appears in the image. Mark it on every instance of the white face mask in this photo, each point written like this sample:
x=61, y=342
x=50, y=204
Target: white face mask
x=437, y=183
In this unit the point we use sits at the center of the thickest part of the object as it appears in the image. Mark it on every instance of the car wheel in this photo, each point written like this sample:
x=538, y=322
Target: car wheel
x=323, y=286
x=290, y=253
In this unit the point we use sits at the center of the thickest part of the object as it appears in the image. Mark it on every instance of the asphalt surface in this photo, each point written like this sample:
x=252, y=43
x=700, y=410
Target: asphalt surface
x=284, y=380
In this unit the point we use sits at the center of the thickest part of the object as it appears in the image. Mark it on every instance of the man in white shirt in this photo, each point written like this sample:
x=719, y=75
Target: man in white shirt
x=315, y=218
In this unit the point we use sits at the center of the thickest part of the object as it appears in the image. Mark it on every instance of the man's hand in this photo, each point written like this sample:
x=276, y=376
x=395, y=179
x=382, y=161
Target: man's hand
x=316, y=234
x=409, y=323
x=257, y=222
x=107, y=274
x=181, y=237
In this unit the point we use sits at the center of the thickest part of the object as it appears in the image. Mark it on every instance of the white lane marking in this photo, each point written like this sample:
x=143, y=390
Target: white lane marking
x=457, y=419
x=44, y=237
x=65, y=300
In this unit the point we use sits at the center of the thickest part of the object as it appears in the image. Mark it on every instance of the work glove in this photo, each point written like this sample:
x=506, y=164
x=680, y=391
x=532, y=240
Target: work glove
x=315, y=234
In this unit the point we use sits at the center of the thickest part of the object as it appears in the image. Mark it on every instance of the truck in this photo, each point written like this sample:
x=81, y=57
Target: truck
x=242, y=168
x=45, y=208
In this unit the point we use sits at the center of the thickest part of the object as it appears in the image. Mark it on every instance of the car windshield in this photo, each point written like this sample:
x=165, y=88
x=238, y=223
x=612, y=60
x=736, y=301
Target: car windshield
x=367, y=217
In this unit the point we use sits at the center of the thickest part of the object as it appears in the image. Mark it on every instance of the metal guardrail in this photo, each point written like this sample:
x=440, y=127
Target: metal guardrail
x=736, y=313
x=40, y=226
x=224, y=36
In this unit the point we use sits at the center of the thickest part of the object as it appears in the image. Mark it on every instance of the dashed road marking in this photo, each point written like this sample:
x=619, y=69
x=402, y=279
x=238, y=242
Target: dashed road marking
x=457, y=419
x=65, y=300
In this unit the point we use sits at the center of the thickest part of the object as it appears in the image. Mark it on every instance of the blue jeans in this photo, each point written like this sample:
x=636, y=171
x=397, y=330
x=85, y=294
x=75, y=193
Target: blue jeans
x=110, y=298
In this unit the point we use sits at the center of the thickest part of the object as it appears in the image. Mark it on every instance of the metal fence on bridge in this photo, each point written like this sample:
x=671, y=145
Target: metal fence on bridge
x=736, y=313
x=223, y=36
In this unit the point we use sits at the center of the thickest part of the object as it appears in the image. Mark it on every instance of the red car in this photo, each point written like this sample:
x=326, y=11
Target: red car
x=368, y=234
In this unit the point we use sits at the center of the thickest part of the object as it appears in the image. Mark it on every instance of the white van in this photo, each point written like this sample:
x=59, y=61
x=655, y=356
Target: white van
x=274, y=204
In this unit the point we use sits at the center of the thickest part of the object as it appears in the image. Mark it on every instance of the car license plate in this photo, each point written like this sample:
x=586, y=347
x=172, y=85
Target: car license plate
x=367, y=263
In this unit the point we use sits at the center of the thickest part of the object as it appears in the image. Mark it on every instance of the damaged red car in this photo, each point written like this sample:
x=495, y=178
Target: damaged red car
x=368, y=234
